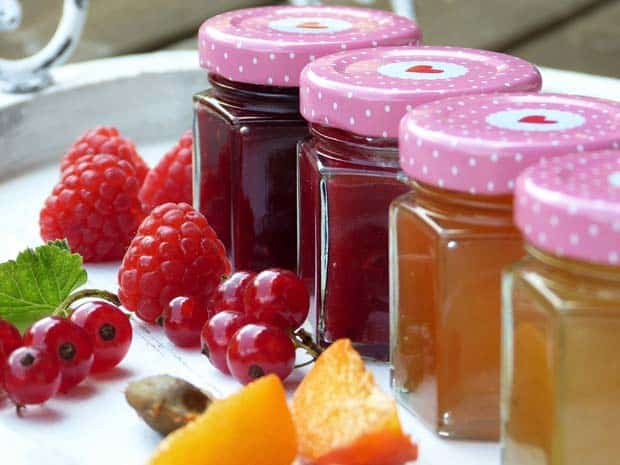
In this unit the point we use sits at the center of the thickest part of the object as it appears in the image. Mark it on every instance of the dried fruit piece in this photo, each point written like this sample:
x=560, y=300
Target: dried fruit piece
x=342, y=417
x=253, y=426
x=166, y=403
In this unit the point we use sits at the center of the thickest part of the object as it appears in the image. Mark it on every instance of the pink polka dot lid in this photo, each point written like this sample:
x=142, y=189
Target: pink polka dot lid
x=480, y=144
x=368, y=91
x=271, y=45
x=570, y=206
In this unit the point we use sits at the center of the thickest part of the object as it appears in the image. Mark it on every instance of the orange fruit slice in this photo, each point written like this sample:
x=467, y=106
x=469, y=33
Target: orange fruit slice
x=253, y=426
x=342, y=417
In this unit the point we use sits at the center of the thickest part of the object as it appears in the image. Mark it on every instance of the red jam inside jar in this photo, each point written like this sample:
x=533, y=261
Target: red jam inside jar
x=246, y=136
x=247, y=124
x=346, y=184
x=348, y=171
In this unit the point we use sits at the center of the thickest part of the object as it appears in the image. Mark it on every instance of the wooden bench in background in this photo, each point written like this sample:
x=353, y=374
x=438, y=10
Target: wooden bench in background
x=582, y=35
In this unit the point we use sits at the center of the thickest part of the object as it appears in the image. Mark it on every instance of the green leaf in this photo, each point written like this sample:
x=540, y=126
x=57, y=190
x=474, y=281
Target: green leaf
x=37, y=281
x=60, y=243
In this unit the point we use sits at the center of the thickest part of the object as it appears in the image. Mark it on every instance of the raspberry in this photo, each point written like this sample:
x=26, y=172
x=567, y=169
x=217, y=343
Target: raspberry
x=175, y=253
x=105, y=140
x=171, y=179
x=95, y=207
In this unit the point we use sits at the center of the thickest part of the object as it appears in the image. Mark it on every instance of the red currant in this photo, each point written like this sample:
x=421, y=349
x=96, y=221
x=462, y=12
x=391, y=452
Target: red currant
x=68, y=342
x=277, y=297
x=183, y=320
x=31, y=376
x=216, y=335
x=3, y=359
x=229, y=294
x=109, y=330
x=10, y=339
x=257, y=350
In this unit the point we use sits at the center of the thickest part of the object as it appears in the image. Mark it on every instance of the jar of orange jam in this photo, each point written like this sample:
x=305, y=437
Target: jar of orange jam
x=561, y=317
x=454, y=233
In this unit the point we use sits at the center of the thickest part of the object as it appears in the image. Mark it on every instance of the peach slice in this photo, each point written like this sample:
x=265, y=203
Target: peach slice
x=253, y=426
x=342, y=417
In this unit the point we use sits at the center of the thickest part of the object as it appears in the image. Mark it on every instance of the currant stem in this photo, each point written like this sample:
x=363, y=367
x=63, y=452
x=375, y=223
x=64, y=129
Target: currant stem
x=63, y=307
x=300, y=365
x=19, y=408
x=303, y=340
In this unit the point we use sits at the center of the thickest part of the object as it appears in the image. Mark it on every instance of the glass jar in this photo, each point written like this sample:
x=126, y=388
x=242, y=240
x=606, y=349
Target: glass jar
x=561, y=319
x=449, y=248
x=247, y=174
x=348, y=171
x=344, y=229
x=247, y=124
x=454, y=233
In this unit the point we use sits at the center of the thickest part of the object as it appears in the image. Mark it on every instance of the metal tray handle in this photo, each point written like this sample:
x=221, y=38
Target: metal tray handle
x=32, y=73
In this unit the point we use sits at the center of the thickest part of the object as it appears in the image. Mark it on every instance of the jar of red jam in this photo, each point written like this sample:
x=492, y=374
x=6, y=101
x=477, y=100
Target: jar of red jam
x=247, y=124
x=348, y=170
x=454, y=233
x=561, y=325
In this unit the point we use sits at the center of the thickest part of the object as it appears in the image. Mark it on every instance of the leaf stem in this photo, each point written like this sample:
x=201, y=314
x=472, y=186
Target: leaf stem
x=63, y=307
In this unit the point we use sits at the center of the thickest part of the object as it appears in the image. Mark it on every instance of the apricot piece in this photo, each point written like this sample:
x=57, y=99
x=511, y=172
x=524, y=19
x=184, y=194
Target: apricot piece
x=341, y=416
x=253, y=426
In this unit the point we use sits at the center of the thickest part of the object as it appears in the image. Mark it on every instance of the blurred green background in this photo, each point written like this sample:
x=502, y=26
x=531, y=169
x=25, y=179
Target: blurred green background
x=582, y=35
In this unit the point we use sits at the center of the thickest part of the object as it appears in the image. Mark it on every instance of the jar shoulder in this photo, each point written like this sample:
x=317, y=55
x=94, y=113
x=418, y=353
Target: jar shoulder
x=244, y=111
x=565, y=292
x=452, y=221
x=329, y=157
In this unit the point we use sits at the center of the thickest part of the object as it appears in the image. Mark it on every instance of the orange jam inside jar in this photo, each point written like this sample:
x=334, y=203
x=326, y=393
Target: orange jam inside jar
x=450, y=250
x=561, y=318
x=452, y=235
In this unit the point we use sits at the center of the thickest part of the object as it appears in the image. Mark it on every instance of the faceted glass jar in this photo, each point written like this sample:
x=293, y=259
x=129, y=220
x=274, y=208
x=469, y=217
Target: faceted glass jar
x=561, y=364
x=346, y=183
x=447, y=250
x=244, y=181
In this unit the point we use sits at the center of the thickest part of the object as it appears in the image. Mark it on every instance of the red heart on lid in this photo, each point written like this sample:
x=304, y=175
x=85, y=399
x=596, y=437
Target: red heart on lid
x=537, y=119
x=312, y=25
x=426, y=69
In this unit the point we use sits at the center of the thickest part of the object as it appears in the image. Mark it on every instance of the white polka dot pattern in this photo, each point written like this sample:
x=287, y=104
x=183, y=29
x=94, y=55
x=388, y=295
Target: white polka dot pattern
x=368, y=91
x=480, y=144
x=570, y=206
x=271, y=45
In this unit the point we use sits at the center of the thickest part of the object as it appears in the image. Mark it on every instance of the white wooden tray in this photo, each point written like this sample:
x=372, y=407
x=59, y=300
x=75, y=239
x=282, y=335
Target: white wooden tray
x=149, y=98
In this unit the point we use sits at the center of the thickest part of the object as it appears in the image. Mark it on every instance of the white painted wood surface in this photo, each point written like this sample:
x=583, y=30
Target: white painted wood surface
x=93, y=425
